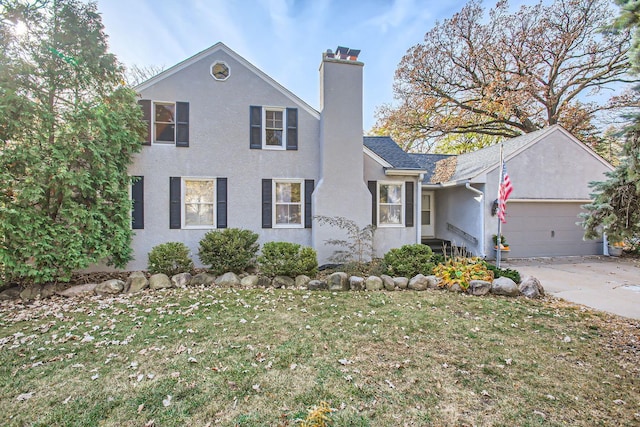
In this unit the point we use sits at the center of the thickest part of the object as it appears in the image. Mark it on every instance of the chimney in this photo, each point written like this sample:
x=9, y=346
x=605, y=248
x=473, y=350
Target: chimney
x=341, y=190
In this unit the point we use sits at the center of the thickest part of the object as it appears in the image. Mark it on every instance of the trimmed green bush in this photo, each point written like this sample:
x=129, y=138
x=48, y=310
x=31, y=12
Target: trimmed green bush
x=409, y=260
x=231, y=249
x=170, y=258
x=504, y=272
x=287, y=259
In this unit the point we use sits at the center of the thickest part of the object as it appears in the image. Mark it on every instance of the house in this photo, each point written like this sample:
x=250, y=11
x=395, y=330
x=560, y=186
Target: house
x=227, y=146
x=550, y=170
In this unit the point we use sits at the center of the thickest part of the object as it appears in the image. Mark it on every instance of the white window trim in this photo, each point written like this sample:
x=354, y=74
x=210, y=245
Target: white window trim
x=153, y=124
x=222, y=63
x=274, y=223
x=264, y=128
x=402, y=203
x=183, y=192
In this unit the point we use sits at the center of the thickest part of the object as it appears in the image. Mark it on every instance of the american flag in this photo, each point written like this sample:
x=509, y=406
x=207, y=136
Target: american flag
x=503, y=194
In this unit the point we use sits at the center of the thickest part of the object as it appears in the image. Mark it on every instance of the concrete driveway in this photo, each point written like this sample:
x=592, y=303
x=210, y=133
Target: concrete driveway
x=604, y=283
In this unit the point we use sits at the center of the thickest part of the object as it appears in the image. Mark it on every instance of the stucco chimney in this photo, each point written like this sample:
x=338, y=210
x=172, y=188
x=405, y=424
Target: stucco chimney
x=341, y=190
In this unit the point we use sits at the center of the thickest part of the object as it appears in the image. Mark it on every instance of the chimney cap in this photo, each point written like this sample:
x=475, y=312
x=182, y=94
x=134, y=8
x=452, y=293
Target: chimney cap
x=346, y=53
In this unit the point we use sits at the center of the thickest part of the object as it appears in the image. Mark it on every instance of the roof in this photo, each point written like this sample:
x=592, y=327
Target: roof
x=389, y=151
x=428, y=163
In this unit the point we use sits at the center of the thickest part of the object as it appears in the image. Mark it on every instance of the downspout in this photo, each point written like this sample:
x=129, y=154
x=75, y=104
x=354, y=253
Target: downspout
x=481, y=194
x=418, y=221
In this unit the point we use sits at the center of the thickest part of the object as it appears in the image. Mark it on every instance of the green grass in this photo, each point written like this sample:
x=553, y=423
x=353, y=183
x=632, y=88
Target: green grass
x=265, y=357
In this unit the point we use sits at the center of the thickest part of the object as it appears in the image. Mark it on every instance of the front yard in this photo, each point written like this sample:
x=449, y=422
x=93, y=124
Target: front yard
x=264, y=357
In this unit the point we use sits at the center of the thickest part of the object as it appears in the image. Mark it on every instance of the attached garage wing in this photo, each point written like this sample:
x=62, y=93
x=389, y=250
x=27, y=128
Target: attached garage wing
x=542, y=229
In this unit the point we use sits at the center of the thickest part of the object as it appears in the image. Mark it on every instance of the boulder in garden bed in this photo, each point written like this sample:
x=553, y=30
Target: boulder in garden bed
x=531, y=287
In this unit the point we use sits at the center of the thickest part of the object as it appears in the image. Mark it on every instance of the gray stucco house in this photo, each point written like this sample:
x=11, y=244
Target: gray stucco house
x=228, y=146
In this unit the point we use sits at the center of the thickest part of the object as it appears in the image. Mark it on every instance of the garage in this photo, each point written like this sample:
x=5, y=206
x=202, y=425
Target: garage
x=536, y=229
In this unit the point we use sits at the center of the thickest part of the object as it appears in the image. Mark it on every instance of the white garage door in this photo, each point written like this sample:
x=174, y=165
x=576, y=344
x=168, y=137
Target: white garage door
x=546, y=229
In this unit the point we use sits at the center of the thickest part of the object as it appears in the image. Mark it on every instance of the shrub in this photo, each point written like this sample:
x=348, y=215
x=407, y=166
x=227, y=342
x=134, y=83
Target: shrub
x=409, y=260
x=231, y=249
x=357, y=246
x=287, y=259
x=504, y=272
x=170, y=258
x=461, y=271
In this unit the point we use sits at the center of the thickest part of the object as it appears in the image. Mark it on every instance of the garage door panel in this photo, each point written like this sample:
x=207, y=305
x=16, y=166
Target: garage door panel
x=547, y=229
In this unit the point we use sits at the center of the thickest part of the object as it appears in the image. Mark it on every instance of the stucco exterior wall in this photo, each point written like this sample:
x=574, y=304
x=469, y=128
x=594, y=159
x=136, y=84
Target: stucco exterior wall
x=459, y=207
x=219, y=147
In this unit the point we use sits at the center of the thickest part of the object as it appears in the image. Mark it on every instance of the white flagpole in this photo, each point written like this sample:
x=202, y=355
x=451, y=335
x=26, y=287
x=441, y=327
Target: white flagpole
x=499, y=239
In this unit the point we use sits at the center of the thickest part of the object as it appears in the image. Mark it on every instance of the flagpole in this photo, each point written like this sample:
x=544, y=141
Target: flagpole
x=499, y=239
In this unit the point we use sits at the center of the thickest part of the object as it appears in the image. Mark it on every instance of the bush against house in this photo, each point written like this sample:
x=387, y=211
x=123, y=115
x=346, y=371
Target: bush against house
x=170, y=258
x=287, y=259
x=68, y=130
x=409, y=260
x=229, y=250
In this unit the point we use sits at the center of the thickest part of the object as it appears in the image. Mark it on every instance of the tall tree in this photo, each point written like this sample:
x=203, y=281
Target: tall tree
x=68, y=130
x=616, y=202
x=509, y=74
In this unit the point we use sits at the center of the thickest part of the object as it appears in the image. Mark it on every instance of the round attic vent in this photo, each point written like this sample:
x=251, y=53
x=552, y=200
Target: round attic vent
x=220, y=71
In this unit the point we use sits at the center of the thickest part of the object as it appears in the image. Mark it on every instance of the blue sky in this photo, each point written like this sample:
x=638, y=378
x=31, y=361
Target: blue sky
x=284, y=38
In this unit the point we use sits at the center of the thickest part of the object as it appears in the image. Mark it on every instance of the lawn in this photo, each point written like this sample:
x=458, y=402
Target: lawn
x=265, y=357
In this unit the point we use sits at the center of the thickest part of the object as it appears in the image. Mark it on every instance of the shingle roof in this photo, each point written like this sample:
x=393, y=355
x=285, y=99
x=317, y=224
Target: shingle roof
x=470, y=165
x=386, y=148
x=428, y=163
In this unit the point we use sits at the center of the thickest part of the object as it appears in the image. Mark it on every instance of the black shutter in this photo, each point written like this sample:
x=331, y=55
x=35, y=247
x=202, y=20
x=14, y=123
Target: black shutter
x=292, y=128
x=308, y=192
x=255, y=119
x=137, y=203
x=409, y=204
x=373, y=188
x=145, y=104
x=266, y=204
x=221, y=203
x=182, y=124
x=175, y=208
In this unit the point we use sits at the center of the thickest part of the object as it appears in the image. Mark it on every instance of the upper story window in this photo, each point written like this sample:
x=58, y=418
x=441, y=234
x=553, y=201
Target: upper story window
x=220, y=71
x=390, y=203
x=167, y=122
x=164, y=123
x=273, y=128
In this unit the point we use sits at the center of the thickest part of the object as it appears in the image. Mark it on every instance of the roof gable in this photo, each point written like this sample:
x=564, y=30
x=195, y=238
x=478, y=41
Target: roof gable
x=474, y=164
x=224, y=48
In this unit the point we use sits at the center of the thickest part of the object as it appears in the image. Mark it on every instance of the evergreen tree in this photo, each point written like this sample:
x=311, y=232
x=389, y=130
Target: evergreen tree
x=68, y=130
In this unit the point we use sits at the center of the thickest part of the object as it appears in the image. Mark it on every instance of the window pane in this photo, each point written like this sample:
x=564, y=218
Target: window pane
x=288, y=192
x=198, y=192
x=426, y=217
x=165, y=113
x=198, y=214
x=273, y=119
x=274, y=137
x=288, y=214
x=391, y=193
x=165, y=132
x=390, y=214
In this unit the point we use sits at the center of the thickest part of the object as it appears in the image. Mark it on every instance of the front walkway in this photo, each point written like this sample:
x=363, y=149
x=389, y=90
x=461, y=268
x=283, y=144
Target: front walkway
x=604, y=283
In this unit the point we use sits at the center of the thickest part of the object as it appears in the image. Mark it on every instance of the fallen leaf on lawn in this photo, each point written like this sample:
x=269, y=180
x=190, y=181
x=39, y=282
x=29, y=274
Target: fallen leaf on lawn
x=345, y=361
x=508, y=361
x=150, y=423
x=232, y=385
x=140, y=407
x=95, y=377
x=192, y=360
x=293, y=366
x=550, y=397
x=166, y=402
x=541, y=414
x=175, y=374
x=485, y=393
x=390, y=384
x=181, y=349
x=24, y=396
x=64, y=402
x=619, y=402
x=256, y=387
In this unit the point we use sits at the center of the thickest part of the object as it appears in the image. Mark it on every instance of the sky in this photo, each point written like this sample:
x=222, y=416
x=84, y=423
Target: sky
x=283, y=38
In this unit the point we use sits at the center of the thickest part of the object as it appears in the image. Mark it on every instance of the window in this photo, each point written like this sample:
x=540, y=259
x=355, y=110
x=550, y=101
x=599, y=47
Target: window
x=197, y=202
x=164, y=122
x=390, y=208
x=167, y=122
x=287, y=203
x=273, y=128
x=220, y=71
